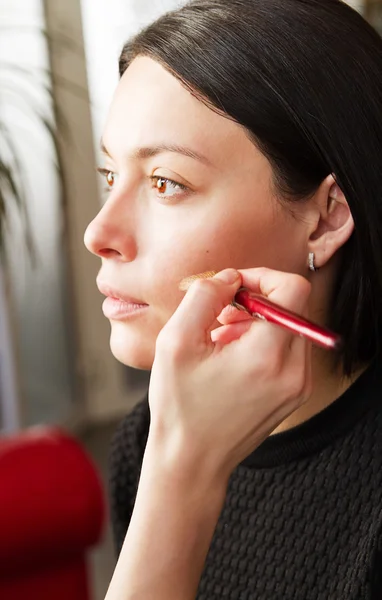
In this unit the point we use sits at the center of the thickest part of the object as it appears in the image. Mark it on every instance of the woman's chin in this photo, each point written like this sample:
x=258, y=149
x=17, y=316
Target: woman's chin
x=132, y=350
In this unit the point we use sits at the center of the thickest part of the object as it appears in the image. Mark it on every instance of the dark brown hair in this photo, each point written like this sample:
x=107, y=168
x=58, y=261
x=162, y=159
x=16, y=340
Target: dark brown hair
x=304, y=77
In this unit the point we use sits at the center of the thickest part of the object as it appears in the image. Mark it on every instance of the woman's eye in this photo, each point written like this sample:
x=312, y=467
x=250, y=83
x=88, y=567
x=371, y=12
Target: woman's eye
x=109, y=176
x=167, y=187
x=110, y=179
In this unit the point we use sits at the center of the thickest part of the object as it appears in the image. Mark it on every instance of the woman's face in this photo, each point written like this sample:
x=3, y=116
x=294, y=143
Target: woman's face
x=189, y=192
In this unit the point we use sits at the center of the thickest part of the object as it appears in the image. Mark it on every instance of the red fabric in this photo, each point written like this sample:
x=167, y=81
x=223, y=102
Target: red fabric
x=66, y=581
x=51, y=510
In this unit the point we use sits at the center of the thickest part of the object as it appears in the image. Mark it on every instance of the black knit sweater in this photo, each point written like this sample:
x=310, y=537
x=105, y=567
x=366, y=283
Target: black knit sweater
x=303, y=514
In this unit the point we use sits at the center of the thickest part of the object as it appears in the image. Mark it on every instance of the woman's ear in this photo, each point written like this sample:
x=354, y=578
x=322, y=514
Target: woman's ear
x=335, y=224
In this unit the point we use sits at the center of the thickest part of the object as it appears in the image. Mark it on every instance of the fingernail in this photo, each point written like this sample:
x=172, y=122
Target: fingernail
x=228, y=276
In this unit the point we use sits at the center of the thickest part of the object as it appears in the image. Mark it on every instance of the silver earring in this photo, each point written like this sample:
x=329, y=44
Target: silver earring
x=312, y=266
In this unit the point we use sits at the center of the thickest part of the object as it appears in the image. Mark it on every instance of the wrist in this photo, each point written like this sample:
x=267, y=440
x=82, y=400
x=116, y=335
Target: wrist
x=176, y=510
x=180, y=463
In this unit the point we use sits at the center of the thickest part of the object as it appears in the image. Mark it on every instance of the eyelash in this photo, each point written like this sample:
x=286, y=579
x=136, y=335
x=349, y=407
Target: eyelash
x=104, y=173
x=154, y=178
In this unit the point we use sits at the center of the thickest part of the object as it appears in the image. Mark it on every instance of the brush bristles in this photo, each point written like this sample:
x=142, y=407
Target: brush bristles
x=185, y=283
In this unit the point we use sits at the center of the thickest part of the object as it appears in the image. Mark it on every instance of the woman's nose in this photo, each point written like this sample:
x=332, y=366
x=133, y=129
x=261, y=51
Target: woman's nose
x=111, y=234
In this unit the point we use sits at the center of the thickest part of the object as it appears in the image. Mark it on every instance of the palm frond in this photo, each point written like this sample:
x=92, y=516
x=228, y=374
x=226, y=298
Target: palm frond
x=24, y=82
x=60, y=38
x=11, y=188
x=44, y=77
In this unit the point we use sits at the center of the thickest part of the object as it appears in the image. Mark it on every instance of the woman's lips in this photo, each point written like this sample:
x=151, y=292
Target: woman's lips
x=116, y=305
x=116, y=309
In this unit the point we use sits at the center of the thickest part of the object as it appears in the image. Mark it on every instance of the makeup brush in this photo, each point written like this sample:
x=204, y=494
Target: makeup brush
x=260, y=307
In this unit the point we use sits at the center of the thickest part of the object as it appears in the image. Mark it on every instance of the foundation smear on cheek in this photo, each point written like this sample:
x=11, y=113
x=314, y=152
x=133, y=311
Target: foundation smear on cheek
x=187, y=281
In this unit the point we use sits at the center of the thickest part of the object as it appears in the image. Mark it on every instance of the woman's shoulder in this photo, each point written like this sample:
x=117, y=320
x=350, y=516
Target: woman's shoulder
x=129, y=439
x=125, y=460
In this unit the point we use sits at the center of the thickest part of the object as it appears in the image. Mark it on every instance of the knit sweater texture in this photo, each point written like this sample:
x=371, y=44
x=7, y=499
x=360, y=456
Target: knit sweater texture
x=302, y=518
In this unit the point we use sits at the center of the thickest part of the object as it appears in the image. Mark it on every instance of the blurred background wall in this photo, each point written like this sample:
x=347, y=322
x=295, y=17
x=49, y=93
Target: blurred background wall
x=59, y=68
x=37, y=298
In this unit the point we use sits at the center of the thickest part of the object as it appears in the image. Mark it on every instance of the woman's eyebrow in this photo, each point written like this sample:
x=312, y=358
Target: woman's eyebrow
x=150, y=151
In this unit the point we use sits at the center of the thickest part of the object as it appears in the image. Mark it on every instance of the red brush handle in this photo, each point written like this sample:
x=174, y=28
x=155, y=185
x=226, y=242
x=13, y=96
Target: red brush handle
x=260, y=307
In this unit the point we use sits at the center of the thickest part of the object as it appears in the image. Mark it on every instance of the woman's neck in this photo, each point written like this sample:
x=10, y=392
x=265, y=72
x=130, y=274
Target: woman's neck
x=328, y=385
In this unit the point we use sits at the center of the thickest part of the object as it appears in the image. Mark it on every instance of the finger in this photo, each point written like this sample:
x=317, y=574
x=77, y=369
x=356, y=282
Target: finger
x=287, y=290
x=231, y=314
x=204, y=301
x=301, y=356
x=229, y=333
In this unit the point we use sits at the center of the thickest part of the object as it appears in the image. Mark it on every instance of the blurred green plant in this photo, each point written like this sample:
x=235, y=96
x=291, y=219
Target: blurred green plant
x=13, y=188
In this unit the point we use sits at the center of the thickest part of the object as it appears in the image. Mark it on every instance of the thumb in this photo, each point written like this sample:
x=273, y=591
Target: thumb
x=200, y=307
